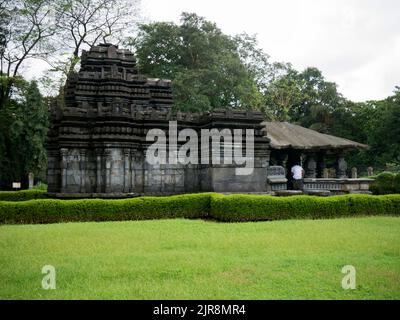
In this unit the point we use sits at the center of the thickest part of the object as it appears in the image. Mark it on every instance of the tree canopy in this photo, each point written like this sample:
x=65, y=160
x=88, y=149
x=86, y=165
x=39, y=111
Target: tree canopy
x=204, y=64
x=23, y=130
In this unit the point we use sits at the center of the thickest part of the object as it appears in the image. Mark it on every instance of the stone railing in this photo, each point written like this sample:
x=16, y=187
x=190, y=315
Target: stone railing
x=338, y=186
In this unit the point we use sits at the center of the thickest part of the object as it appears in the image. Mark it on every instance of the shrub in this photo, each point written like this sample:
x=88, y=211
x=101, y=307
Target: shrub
x=256, y=208
x=375, y=205
x=40, y=186
x=386, y=183
x=55, y=210
x=22, y=195
x=203, y=205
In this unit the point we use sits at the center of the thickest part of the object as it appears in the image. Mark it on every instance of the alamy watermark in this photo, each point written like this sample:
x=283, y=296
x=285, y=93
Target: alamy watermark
x=349, y=280
x=189, y=153
x=49, y=280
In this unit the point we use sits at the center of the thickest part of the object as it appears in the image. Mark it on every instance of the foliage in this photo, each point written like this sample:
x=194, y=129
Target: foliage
x=22, y=195
x=386, y=183
x=308, y=99
x=23, y=130
x=56, y=31
x=202, y=205
x=52, y=210
x=282, y=95
x=303, y=97
x=41, y=186
x=203, y=63
x=256, y=208
x=81, y=24
x=25, y=30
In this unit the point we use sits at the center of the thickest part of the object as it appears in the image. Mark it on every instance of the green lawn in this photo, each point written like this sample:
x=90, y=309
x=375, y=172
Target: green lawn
x=195, y=259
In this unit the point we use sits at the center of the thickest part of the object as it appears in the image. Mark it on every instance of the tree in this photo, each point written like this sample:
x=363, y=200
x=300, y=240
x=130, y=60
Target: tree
x=26, y=27
x=204, y=64
x=303, y=97
x=282, y=95
x=257, y=62
x=383, y=130
x=83, y=23
x=23, y=130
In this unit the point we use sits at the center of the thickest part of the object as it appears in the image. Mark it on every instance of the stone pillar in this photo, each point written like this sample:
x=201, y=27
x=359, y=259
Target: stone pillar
x=99, y=170
x=311, y=166
x=354, y=174
x=53, y=170
x=30, y=180
x=341, y=166
x=82, y=169
x=321, y=166
x=127, y=170
x=138, y=167
x=64, y=166
x=132, y=171
x=107, y=182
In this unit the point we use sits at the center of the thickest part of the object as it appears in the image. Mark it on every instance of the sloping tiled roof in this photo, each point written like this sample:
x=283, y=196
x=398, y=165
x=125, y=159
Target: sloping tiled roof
x=287, y=135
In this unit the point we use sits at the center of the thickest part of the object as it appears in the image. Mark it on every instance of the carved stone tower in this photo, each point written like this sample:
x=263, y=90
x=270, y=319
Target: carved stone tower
x=97, y=140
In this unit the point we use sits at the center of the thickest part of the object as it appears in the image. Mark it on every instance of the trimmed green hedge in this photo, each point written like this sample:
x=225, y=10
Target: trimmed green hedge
x=258, y=208
x=22, y=195
x=386, y=183
x=55, y=210
x=203, y=205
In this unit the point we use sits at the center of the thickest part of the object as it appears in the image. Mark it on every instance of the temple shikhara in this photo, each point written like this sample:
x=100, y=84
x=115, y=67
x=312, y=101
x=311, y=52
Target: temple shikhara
x=97, y=140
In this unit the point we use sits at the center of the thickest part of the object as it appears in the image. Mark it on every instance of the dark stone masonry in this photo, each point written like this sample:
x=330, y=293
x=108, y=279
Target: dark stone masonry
x=97, y=141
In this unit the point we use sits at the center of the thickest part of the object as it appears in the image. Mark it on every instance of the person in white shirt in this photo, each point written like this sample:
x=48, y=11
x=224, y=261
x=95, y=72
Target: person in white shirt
x=297, y=175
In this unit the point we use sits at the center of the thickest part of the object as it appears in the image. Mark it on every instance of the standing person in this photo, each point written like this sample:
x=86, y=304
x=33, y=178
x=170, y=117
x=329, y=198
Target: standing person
x=297, y=177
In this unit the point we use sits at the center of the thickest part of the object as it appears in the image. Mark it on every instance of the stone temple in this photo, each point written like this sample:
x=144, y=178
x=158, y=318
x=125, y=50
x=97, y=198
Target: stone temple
x=97, y=141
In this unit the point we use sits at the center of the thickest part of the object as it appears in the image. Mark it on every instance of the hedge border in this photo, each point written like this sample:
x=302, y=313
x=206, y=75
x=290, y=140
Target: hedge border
x=22, y=195
x=227, y=208
x=261, y=208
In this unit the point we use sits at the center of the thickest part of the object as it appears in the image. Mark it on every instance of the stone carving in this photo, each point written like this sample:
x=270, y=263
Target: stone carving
x=96, y=144
x=276, y=178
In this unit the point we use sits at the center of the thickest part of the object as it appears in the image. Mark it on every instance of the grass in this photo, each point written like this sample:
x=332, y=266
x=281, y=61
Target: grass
x=195, y=259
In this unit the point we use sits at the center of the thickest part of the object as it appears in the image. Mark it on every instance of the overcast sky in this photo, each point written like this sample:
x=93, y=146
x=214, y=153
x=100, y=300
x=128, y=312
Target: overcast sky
x=356, y=43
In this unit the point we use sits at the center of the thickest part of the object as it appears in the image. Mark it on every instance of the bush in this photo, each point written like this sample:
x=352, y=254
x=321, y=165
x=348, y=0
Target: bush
x=256, y=208
x=386, y=183
x=40, y=186
x=22, y=195
x=202, y=205
x=55, y=210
